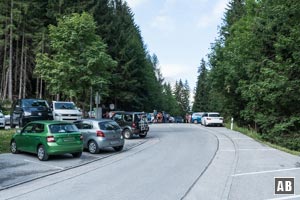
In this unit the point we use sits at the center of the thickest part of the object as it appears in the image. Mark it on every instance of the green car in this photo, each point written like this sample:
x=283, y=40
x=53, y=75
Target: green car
x=46, y=138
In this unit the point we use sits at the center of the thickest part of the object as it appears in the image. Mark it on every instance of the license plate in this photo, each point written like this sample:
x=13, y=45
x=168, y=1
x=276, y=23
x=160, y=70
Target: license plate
x=68, y=139
x=114, y=142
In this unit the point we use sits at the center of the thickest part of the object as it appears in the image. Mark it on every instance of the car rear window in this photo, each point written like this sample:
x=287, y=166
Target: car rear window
x=109, y=125
x=63, y=128
x=214, y=115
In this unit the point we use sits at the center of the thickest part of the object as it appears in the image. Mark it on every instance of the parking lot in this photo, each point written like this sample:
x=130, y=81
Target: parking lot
x=20, y=168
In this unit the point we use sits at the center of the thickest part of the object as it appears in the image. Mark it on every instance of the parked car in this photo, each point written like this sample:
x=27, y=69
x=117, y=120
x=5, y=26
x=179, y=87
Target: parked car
x=27, y=110
x=100, y=133
x=46, y=138
x=65, y=111
x=2, y=120
x=212, y=118
x=7, y=119
x=132, y=123
x=196, y=117
x=178, y=119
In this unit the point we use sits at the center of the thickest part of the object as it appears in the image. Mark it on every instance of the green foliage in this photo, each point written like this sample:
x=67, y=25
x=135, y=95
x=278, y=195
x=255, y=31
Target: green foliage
x=254, y=69
x=182, y=96
x=5, y=137
x=202, y=92
x=69, y=52
x=79, y=59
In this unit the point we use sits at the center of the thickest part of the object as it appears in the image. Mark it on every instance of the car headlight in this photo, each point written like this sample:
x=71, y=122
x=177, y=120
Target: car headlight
x=57, y=114
x=26, y=113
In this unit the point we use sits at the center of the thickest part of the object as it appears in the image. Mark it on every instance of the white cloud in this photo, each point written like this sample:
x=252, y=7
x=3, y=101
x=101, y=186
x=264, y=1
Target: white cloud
x=135, y=3
x=163, y=23
x=215, y=16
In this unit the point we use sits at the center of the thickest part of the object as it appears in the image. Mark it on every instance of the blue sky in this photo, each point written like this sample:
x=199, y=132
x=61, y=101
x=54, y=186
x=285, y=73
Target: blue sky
x=179, y=32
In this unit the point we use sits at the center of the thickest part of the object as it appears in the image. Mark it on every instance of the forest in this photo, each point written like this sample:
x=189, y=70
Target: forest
x=69, y=50
x=253, y=70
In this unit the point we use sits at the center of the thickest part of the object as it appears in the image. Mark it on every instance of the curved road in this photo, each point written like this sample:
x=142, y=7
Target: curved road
x=177, y=161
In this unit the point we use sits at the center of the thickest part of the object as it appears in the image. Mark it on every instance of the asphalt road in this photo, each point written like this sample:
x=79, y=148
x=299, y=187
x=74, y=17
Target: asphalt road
x=176, y=161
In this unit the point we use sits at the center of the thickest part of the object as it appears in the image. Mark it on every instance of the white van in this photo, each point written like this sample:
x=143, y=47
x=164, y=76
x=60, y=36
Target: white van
x=65, y=111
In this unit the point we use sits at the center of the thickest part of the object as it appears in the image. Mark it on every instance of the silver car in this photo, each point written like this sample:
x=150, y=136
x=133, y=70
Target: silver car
x=2, y=120
x=100, y=133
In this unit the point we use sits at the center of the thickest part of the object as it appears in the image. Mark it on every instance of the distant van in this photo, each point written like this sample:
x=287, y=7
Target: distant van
x=65, y=111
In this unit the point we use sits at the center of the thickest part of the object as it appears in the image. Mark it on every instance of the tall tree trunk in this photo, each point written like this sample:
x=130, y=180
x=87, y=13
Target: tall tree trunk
x=41, y=89
x=4, y=71
x=21, y=66
x=10, y=53
x=25, y=73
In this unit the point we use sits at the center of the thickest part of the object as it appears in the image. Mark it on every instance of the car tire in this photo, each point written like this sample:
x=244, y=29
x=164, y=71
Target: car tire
x=143, y=135
x=14, y=147
x=127, y=134
x=42, y=154
x=195, y=122
x=93, y=147
x=119, y=148
x=77, y=154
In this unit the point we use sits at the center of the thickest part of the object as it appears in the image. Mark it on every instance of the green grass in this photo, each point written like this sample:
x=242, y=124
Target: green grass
x=258, y=138
x=5, y=136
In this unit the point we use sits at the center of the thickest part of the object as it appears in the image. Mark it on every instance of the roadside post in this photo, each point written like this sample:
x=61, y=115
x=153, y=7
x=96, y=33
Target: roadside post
x=231, y=125
x=98, y=110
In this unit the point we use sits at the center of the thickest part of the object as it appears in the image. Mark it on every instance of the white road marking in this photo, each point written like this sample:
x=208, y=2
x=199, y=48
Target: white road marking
x=282, y=198
x=267, y=149
x=264, y=172
x=61, y=168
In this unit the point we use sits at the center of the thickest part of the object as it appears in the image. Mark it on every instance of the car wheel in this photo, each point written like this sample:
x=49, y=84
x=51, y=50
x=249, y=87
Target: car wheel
x=127, y=134
x=42, y=154
x=13, y=147
x=195, y=121
x=93, y=147
x=143, y=135
x=77, y=154
x=119, y=148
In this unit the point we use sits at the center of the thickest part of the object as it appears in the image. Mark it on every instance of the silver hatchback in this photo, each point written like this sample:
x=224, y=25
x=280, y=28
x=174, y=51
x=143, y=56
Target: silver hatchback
x=100, y=133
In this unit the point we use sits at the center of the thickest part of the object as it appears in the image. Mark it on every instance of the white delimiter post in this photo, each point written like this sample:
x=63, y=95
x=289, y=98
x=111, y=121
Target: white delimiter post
x=231, y=126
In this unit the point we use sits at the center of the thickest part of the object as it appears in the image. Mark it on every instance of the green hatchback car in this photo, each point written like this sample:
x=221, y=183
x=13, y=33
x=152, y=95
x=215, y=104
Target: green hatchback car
x=46, y=138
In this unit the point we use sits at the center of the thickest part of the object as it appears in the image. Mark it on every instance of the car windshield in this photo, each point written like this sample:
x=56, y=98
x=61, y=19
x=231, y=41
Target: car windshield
x=109, y=125
x=63, y=128
x=34, y=103
x=64, y=105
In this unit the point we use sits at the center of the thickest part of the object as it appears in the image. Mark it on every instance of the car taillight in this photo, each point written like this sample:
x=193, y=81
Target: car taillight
x=208, y=119
x=221, y=118
x=81, y=137
x=133, y=125
x=100, y=134
x=50, y=139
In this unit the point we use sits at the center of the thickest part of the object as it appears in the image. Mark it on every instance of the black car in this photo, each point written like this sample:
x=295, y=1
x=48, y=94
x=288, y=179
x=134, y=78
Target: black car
x=132, y=123
x=27, y=110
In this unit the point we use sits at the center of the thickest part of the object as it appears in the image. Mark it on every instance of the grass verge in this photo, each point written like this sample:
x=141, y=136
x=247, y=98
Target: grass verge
x=5, y=136
x=258, y=138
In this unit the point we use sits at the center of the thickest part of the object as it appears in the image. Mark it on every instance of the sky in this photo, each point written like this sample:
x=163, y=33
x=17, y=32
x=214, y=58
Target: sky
x=179, y=32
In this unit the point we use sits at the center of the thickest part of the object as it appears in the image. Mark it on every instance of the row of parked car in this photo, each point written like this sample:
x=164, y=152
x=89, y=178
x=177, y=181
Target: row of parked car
x=68, y=132
x=207, y=118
